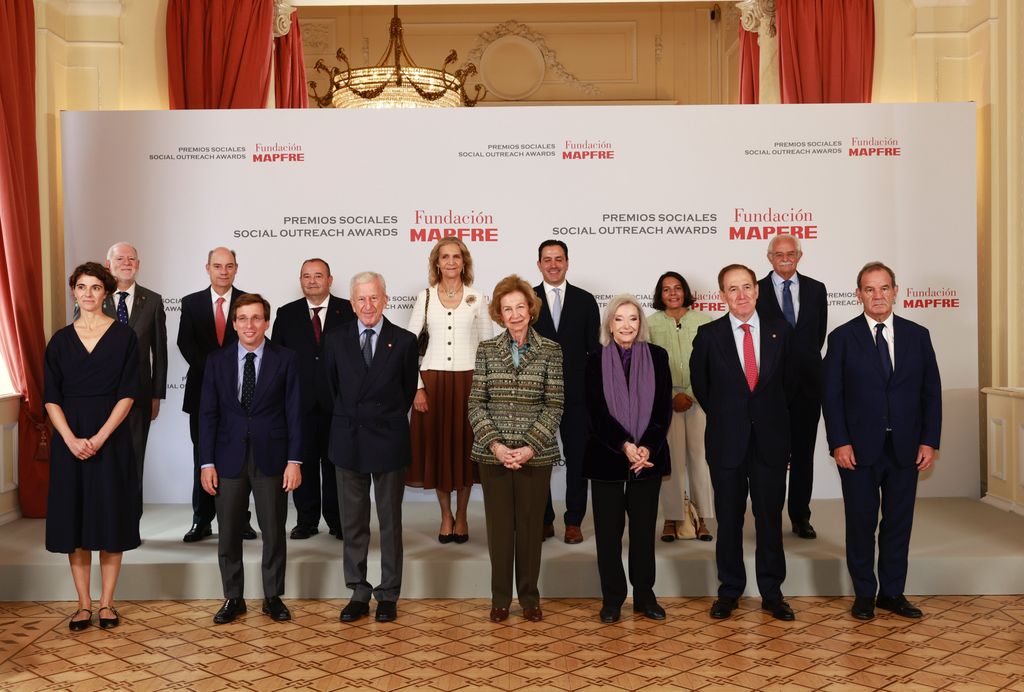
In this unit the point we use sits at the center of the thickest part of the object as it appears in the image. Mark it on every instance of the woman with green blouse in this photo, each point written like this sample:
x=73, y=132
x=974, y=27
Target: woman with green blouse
x=673, y=327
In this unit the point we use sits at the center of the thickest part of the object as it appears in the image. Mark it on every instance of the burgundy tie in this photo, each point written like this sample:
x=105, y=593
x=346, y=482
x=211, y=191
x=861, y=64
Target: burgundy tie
x=318, y=327
x=219, y=321
x=749, y=361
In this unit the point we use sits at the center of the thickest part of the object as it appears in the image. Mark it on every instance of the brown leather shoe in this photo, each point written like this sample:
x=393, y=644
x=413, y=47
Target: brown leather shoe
x=549, y=531
x=533, y=614
x=668, y=534
x=499, y=614
x=573, y=534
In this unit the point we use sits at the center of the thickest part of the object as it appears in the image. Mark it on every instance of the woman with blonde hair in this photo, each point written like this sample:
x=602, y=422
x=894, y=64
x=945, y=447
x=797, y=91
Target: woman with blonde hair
x=453, y=318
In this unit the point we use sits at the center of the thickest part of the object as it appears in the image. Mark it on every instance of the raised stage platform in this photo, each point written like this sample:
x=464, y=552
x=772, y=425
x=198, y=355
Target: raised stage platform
x=959, y=546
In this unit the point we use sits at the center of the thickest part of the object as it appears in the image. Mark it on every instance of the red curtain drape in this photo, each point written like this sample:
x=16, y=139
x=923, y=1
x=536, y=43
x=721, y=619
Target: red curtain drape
x=21, y=263
x=219, y=53
x=826, y=50
x=290, y=69
x=750, y=66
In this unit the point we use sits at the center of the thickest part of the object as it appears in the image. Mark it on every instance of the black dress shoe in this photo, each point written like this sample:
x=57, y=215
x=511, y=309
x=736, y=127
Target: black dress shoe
x=337, y=533
x=387, y=611
x=899, y=605
x=248, y=533
x=79, y=625
x=277, y=610
x=610, y=614
x=804, y=529
x=197, y=533
x=863, y=608
x=445, y=538
x=460, y=538
x=232, y=608
x=300, y=532
x=723, y=607
x=354, y=611
x=779, y=609
x=650, y=609
x=108, y=623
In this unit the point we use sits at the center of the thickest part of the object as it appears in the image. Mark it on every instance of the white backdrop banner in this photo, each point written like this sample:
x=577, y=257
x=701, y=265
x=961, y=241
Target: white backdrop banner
x=633, y=191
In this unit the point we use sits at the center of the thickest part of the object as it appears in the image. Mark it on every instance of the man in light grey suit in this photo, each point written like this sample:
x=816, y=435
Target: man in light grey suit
x=142, y=310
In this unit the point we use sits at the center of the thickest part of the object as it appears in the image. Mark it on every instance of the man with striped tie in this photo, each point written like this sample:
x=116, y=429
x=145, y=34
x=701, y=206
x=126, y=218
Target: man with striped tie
x=743, y=377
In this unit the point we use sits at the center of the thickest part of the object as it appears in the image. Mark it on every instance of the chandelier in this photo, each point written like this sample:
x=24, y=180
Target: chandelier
x=392, y=84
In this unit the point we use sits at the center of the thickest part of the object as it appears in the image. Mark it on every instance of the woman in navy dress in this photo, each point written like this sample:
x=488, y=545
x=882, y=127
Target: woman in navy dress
x=90, y=382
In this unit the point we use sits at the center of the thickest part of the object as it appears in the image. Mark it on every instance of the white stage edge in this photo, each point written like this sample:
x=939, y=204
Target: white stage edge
x=959, y=546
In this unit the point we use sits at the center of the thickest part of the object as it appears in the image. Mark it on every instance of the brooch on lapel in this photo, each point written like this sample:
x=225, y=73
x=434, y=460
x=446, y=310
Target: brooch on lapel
x=773, y=335
x=389, y=345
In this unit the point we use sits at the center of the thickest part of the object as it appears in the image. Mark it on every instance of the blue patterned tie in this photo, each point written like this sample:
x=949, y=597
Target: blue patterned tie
x=122, y=308
x=883, y=350
x=248, y=380
x=556, y=307
x=788, y=311
x=367, y=346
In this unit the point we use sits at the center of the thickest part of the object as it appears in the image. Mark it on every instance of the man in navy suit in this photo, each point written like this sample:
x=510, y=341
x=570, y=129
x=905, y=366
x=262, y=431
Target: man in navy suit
x=883, y=418
x=570, y=316
x=743, y=377
x=251, y=441
x=203, y=328
x=302, y=326
x=372, y=369
x=803, y=303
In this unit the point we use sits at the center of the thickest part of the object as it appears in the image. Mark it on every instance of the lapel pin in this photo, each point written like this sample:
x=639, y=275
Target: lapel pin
x=773, y=335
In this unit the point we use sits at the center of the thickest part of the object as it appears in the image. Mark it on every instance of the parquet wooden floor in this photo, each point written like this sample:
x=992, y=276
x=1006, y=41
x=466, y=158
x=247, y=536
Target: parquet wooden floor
x=963, y=643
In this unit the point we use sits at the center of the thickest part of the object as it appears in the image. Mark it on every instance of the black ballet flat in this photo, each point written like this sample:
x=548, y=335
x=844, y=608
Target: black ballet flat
x=445, y=537
x=460, y=537
x=108, y=623
x=79, y=625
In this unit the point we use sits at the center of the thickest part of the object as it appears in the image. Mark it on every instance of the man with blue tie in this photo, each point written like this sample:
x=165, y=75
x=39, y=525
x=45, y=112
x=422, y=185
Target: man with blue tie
x=803, y=303
x=742, y=375
x=883, y=417
x=250, y=439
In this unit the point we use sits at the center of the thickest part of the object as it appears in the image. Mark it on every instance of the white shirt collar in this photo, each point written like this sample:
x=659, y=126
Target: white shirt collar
x=887, y=322
x=754, y=321
x=778, y=280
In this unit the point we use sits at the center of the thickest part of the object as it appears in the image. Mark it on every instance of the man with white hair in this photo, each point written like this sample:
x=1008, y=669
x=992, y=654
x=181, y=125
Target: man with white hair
x=803, y=303
x=372, y=371
x=142, y=310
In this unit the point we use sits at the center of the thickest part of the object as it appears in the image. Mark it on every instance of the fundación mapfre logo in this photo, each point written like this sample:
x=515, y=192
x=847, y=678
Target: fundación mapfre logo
x=874, y=147
x=469, y=227
x=278, y=153
x=765, y=223
x=931, y=298
x=587, y=149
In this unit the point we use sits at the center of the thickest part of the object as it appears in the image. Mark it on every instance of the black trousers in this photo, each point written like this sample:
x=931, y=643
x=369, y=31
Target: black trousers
x=613, y=502
x=232, y=517
x=804, y=414
x=139, y=418
x=203, y=508
x=866, y=489
x=573, y=431
x=319, y=490
x=767, y=488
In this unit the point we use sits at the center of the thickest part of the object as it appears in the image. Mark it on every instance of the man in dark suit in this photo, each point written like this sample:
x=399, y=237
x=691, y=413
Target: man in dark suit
x=142, y=310
x=372, y=369
x=570, y=316
x=251, y=441
x=883, y=417
x=803, y=303
x=204, y=328
x=302, y=326
x=743, y=377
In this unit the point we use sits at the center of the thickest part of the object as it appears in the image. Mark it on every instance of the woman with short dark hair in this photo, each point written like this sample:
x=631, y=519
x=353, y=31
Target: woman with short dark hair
x=91, y=376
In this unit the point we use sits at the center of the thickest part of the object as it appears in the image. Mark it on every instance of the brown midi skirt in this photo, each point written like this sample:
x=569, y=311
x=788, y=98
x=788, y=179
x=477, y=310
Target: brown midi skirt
x=442, y=437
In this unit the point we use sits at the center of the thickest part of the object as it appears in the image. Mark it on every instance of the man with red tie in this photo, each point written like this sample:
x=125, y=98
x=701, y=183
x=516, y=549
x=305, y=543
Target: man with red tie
x=203, y=329
x=743, y=377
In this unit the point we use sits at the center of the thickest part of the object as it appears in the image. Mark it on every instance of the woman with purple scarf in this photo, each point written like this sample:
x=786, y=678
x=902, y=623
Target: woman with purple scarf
x=629, y=395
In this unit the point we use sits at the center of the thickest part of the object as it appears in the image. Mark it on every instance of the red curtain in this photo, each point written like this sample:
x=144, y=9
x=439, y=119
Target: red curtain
x=290, y=69
x=21, y=263
x=826, y=50
x=750, y=67
x=219, y=53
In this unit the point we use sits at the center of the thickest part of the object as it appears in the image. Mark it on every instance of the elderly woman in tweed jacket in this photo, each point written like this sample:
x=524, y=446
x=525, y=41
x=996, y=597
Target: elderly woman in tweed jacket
x=515, y=405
